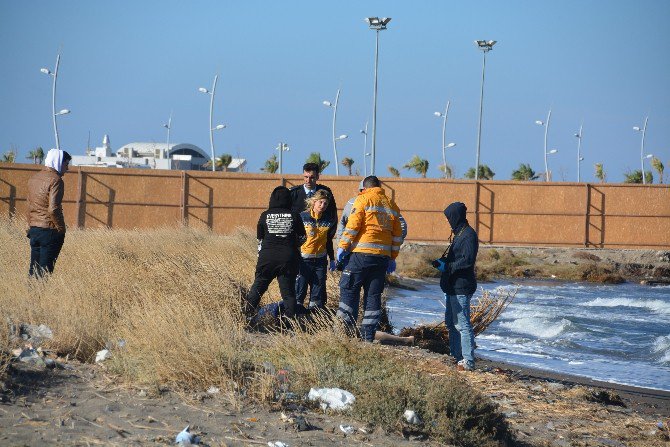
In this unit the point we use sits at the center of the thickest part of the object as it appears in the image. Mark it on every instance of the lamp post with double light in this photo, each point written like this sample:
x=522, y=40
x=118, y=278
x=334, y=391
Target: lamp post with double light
x=55, y=114
x=341, y=137
x=365, y=149
x=578, y=135
x=485, y=46
x=168, y=126
x=211, y=113
x=553, y=151
x=445, y=146
x=282, y=147
x=643, y=130
x=377, y=24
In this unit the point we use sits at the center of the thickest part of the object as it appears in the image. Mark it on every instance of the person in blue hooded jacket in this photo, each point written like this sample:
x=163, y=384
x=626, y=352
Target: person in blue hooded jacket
x=459, y=283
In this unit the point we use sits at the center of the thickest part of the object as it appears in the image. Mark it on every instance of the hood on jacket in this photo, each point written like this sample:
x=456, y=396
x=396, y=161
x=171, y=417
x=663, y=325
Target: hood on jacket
x=54, y=159
x=456, y=213
x=280, y=198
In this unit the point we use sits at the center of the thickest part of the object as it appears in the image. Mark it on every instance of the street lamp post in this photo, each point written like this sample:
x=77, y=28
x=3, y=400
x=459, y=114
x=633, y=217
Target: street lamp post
x=445, y=146
x=546, y=132
x=168, y=126
x=365, y=149
x=485, y=46
x=578, y=135
x=377, y=24
x=55, y=114
x=282, y=147
x=644, y=131
x=341, y=137
x=211, y=112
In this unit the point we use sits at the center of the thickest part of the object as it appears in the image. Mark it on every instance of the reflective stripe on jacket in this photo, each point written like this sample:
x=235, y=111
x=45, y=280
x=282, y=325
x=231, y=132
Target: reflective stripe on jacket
x=373, y=226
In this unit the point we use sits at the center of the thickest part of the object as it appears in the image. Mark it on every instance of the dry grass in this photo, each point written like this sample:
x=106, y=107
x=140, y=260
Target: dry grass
x=174, y=296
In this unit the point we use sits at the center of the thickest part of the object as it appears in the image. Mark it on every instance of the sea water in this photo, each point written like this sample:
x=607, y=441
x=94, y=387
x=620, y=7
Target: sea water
x=613, y=333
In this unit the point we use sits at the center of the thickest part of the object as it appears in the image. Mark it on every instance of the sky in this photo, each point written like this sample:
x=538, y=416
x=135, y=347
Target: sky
x=127, y=65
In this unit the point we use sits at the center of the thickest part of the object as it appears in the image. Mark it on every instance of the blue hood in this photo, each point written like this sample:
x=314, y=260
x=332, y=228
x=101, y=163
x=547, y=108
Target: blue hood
x=455, y=214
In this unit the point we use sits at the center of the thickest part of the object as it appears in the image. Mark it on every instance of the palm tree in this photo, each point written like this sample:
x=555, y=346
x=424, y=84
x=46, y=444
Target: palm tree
x=8, y=157
x=418, y=165
x=347, y=163
x=485, y=173
x=636, y=177
x=525, y=173
x=447, y=170
x=223, y=162
x=271, y=165
x=394, y=172
x=315, y=157
x=656, y=164
x=37, y=155
x=600, y=173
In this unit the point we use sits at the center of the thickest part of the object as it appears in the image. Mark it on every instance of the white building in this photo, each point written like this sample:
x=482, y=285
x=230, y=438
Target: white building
x=181, y=156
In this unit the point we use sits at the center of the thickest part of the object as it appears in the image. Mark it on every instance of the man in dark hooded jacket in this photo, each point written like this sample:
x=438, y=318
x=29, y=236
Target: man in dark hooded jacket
x=458, y=282
x=280, y=233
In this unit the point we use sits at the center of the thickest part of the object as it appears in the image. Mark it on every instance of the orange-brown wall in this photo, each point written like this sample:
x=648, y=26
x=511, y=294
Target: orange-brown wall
x=502, y=212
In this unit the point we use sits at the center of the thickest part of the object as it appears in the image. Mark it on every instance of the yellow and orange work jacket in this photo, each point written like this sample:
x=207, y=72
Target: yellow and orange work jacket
x=373, y=226
x=320, y=230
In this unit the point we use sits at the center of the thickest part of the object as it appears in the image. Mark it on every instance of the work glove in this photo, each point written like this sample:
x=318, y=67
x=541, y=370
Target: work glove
x=341, y=254
x=391, y=267
x=333, y=265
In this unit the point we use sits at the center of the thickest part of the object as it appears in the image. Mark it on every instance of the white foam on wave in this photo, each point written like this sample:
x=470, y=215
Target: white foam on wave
x=537, y=327
x=658, y=306
x=661, y=347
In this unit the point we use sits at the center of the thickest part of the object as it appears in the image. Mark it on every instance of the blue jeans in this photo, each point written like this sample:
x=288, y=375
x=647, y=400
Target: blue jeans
x=367, y=272
x=45, y=246
x=461, y=335
x=312, y=273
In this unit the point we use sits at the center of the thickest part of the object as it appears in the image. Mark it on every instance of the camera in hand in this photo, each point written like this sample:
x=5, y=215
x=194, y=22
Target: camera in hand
x=439, y=263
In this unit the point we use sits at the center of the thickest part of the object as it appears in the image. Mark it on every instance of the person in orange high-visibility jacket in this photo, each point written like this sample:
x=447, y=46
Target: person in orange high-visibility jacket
x=369, y=245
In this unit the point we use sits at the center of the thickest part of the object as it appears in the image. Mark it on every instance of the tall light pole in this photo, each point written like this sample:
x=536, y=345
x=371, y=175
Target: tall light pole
x=578, y=135
x=211, y=112
x=341, y=137
x=546, y=132
x=485, y=46
x=644, y=131
x=445, y=146
x=55, y=114
x=377, y=24
x=168, y=126
x=282, y=147
x=365, y=149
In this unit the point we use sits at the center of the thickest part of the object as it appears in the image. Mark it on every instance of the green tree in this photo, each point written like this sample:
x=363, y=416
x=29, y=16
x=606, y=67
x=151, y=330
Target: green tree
x=394, y=172
x=9, y=157
x=347, y=163
x=600, y=173
x=485, y=173
x=271, y=165
x=447, y=170
x=37, y=155
x=223, y=162
x=418, y=165
x=315, y=157
x=636, y=177
x=525, y=172
x=656, y=164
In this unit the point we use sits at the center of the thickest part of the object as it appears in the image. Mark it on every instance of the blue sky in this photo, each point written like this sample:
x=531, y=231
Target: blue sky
x=125, y=65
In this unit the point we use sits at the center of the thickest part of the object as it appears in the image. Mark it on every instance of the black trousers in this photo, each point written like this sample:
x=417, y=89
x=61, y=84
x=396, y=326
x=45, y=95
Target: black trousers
x=45, y=246
x=266, y=271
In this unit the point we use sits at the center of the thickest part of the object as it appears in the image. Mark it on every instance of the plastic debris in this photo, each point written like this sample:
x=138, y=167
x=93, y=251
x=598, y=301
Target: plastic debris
x=30, y=355
x=103, y=355
x=333, y=398
x=412, y=417
x=277, y=444
x=213, y=390
x=185, y=437
x=36, y=334
x=347, y=429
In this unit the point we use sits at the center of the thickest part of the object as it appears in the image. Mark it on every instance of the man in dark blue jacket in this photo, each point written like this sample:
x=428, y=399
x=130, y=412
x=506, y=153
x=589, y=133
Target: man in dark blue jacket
x=458, y=282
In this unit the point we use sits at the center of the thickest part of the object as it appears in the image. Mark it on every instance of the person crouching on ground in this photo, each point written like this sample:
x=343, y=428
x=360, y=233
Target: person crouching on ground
x=45, y=212
x=315, y=252
x=280, y=234
x=459, y=283
x=373, y=236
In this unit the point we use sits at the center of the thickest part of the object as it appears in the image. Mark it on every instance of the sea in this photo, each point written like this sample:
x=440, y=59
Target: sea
x=612, y=333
